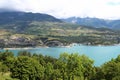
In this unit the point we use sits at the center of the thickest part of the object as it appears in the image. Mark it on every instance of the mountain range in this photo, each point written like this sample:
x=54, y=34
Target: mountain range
x=25, y=28
x=37, y=23
x=95, y=22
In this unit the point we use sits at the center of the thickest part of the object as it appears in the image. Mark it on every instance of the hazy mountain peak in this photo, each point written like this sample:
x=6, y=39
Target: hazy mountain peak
x=12, y=16
x=94, y=22
x=8, y=10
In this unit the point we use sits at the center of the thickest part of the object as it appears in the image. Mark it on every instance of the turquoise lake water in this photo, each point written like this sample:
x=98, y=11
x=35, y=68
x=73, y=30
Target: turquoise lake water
x=100, y=54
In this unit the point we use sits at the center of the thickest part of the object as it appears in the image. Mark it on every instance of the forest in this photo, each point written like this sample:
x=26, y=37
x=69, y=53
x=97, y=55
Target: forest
x=28, y=66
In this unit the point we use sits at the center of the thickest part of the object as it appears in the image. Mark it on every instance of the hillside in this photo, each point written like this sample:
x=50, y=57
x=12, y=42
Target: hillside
x=95, y=22
x=18, y=21
x=20, y=29
x=42, y=24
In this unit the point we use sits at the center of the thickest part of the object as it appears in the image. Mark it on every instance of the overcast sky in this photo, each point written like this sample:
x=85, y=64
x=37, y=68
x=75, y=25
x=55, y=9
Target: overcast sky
x=107, y=9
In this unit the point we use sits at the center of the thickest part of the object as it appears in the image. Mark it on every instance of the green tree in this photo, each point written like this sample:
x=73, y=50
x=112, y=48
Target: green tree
x=61, y=67
x=24, y=53
x=56, y=74
x=112, y=69
x=26, y=68
x=50, y=59
x=3, y=68
x=39, y=58
x=4, y=55
x=74, y=67
x=61, y=64
x=99, y=74
x=48, y=71
x=89, y=69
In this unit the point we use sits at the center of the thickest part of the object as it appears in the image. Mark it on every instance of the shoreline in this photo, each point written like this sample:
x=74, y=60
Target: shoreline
x=68, y=46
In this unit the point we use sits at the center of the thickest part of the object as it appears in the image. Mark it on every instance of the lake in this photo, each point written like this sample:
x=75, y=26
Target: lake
x=100, y=54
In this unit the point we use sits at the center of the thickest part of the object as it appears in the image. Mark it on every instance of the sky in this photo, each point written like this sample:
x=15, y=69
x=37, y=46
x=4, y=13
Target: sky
x=106, y=9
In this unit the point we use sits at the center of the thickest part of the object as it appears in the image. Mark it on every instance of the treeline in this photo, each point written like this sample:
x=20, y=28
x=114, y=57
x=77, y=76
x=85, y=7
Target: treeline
x=27, y=66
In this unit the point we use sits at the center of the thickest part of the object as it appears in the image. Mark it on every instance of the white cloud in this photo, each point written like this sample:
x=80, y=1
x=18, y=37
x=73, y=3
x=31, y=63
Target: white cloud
x=67, y=8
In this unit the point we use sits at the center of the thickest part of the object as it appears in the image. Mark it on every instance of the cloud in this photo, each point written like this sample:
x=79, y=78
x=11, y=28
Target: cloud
x=113, y=4
x=108, y=9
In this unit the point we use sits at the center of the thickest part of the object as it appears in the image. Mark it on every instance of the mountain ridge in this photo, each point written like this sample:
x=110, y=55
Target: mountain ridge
x=27, y=16
x=19, y=21
x=95, y=22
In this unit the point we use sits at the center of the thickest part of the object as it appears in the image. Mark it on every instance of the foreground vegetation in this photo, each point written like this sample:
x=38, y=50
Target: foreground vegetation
x=27, y=66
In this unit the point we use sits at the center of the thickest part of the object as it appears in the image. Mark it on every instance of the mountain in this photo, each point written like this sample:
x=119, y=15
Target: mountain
x=9, y=17
x=37, y=23
x=22, y=17
x=95, y=22
x=19, y=21
x=19, y=29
